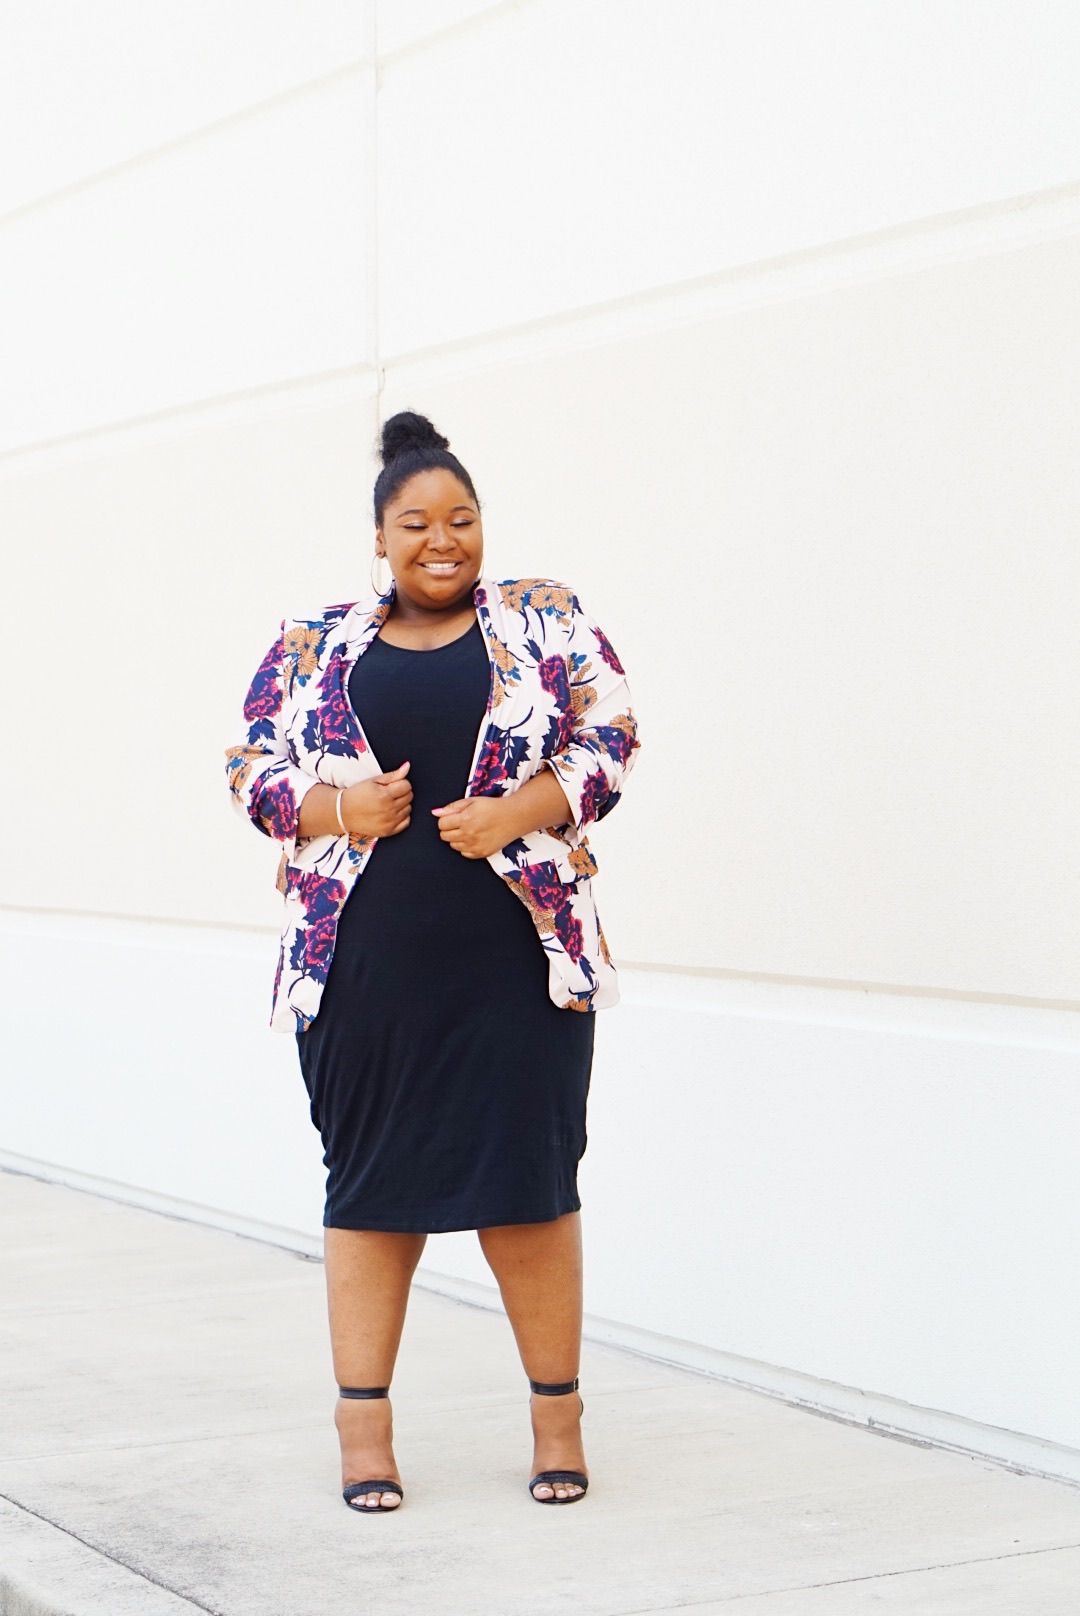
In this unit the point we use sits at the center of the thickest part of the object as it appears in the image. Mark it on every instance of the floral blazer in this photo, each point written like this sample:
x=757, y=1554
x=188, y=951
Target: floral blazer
x=557, y=698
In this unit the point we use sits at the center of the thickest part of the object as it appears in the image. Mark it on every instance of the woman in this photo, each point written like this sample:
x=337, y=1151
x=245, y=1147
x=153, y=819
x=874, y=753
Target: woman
x=430, y=758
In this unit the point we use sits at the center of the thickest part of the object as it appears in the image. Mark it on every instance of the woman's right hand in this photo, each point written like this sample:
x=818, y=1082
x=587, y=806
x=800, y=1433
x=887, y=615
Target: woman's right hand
x=381, y=806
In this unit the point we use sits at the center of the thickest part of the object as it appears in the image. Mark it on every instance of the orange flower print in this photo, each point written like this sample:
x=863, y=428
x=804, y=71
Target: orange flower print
x=582, y=697
x=582, y=862
x=507, y=672
x=302, y=646
x=238, y=761
x=550, y=598
x=541, y=594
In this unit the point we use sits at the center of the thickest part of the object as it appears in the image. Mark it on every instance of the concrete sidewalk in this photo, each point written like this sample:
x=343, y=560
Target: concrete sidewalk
x=168, y=1447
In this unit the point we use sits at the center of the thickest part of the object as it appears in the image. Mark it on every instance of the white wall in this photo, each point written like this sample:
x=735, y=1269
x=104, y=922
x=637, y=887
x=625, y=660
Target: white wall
x=758, y=322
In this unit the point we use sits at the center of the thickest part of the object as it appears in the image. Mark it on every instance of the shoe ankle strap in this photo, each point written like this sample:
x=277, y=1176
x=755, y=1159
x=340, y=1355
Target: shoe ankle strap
x=554, y=1388
x=364, y=1391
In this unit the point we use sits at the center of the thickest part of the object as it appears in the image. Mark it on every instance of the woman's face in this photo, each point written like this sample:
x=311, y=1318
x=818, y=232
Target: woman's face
x=432, y=519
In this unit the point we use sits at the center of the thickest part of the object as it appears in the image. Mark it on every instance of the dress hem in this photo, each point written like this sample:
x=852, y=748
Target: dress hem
x=446, y=1228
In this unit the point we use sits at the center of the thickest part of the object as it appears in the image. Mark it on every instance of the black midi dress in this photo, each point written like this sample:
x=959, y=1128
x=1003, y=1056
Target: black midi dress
x=447, y=1087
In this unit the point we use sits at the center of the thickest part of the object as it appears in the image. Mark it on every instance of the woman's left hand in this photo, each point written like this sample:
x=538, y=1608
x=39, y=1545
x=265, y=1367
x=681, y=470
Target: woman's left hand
x=475, y=826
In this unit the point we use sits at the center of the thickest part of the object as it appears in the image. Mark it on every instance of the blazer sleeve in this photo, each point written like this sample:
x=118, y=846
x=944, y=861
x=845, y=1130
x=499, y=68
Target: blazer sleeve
x=265, y=786
x=592, y=767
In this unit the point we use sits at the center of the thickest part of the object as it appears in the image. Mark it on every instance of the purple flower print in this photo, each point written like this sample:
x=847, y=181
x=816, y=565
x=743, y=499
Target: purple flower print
x=331, y=723
x=321, y=895
x=336, y=722
x=490, y=768
x=569, y=932
x=543, y=883
x=619, y=742
x=554, y=678
x=593, y=793
x=274, y=808
x=319, y=947
x=607, y=650
x=263, y=699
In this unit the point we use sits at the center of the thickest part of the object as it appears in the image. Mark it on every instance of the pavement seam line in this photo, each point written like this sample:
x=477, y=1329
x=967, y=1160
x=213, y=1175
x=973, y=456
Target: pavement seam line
x=105, y=1554
x=841, y=1582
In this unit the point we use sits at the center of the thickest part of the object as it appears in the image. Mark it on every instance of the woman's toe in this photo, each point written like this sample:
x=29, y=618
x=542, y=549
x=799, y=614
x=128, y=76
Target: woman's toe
x=542, y=1490
x=372, y=1500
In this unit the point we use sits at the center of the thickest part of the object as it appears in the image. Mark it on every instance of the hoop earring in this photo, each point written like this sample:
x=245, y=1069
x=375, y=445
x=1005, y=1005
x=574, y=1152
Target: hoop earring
x=375, y=558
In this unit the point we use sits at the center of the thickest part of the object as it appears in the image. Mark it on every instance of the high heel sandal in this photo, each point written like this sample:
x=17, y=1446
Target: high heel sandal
x=379, y=1484
x=577, y=1477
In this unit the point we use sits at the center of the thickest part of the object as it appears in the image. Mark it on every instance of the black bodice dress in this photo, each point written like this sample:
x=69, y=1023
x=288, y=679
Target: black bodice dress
x=447, y=1087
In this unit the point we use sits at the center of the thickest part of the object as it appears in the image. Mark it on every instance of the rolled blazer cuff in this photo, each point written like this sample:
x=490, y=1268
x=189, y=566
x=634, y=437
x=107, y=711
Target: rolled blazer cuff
x=272, y=802
x=594, y=763
x=590, y=775
x=265, y=786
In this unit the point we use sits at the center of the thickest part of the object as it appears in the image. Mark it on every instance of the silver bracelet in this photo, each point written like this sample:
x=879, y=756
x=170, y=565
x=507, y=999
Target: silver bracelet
x=337, y=810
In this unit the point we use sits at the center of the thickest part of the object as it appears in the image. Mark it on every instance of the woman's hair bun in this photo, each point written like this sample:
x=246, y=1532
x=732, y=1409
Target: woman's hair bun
x=408, y=430
x=409, y=444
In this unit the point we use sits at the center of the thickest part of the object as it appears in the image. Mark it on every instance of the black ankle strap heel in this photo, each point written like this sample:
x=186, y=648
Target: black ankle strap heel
x=557, y=1388
x=381, y=1484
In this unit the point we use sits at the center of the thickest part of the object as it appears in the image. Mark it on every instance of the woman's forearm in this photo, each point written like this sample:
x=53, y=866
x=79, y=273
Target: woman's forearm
x=538, y=804
x=317, y=816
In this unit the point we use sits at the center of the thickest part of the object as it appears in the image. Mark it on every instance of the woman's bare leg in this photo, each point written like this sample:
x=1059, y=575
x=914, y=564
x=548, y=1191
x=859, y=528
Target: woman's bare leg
x=539, y=1270
x=368, y=1273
